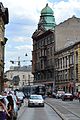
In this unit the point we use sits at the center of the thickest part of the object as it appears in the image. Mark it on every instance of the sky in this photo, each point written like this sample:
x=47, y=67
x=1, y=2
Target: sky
x=23, y=20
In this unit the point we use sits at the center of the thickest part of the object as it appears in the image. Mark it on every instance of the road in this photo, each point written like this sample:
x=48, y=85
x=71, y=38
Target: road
x=68, y=110
x=38, y=113
x=55, y=109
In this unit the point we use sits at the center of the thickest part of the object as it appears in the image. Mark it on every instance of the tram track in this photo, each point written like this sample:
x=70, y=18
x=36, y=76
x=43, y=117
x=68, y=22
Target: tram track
x=63, y=112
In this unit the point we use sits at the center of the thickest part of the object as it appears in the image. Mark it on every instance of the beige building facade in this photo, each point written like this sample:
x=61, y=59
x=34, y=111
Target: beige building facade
x=23, y=74
x=4, y=19
x=67, y=55
x=67, y=33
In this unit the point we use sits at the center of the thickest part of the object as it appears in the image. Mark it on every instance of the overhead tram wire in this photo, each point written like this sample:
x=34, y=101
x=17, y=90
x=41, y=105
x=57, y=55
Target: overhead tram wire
x=20, y=23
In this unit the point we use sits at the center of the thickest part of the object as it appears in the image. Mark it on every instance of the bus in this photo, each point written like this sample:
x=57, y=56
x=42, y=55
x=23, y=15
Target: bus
x=34, y=89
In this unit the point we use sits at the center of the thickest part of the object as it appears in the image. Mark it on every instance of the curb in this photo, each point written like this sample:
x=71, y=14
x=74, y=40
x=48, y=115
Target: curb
x=21, y=111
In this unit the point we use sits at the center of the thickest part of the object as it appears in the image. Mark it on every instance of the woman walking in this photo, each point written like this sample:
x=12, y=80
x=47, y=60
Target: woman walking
x=10, y=107
x=3, y=110
x=79, y=96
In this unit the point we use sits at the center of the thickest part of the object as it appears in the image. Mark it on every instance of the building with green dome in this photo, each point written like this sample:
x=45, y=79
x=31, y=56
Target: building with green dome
x=43, y=49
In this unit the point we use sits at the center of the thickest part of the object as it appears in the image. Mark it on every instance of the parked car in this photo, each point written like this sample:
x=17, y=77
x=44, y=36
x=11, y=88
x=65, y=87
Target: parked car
x=35, y=100
x=59, y=94
x=67, y=96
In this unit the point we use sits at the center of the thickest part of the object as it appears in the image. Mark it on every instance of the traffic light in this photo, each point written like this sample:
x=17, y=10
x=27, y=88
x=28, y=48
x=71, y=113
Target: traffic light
x=12, y=62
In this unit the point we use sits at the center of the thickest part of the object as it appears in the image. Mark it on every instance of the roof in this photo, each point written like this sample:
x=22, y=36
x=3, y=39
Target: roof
x=47, y=10
x=72, y=18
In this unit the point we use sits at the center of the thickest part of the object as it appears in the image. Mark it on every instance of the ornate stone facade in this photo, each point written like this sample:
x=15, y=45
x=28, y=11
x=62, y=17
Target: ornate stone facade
x=3, y=20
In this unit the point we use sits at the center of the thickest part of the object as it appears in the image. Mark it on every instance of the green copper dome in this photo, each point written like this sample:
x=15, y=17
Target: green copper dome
x=47, y=20
x=47, y=10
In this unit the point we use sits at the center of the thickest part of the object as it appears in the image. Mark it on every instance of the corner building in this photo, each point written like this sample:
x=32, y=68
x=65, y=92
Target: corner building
x=43, y=49
x=3, y=21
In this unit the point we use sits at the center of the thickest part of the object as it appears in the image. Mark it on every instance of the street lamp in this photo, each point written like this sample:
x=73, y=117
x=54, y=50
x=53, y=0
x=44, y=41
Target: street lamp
x=26, y=54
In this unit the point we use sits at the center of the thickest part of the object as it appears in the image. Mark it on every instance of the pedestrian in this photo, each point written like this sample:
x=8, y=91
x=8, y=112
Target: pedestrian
x=79, y=96
x=3, y=110
x=10, y=107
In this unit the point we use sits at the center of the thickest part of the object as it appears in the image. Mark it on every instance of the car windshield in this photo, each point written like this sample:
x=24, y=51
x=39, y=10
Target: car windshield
x=60, y=92
x=36, y=97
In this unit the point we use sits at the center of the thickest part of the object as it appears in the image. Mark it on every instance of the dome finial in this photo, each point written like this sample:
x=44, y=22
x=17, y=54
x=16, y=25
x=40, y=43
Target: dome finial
x=46, y=4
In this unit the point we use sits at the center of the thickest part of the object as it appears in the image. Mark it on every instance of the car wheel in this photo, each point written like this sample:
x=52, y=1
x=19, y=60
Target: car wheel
x=63, y=99
x=42, y=105
x=71, y=99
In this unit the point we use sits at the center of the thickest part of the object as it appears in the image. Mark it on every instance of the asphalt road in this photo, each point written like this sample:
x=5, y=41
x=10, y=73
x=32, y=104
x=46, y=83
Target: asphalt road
x=37, y=113
x=68, y=110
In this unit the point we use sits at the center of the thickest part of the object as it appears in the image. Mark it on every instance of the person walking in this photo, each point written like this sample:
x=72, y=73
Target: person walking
x=10, y=107
x=3, y=110
x=79, y=96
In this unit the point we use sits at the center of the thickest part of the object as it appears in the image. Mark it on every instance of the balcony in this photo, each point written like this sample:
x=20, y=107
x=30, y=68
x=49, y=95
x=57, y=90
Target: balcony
x=43, y=57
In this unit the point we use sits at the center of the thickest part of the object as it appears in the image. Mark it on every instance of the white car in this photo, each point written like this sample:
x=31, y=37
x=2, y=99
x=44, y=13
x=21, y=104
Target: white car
x=35, y=100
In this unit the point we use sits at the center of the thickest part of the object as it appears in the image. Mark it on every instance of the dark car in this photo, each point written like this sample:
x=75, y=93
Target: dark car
x=59, y=94
x=67, y=96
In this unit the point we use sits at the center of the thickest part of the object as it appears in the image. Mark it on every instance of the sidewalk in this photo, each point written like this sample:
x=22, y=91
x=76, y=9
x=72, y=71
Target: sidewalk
x=22, y=109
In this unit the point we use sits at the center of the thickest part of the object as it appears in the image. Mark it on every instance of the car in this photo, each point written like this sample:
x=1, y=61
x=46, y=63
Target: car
x=59, y=94
x=67, y=96
x=35, y=100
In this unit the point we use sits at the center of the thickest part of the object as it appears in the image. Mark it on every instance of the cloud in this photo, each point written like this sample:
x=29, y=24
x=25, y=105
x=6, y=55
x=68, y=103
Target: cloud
x=22, y=39
x=64, y=10
x=24, y=47
x=31, y=9
x=23, y=19
x=24, y=8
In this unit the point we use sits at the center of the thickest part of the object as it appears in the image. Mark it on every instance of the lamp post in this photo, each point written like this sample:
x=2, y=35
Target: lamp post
x=28, y=79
